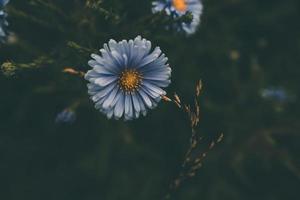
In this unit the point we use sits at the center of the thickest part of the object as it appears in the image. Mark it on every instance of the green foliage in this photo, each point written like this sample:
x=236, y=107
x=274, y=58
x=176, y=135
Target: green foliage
x=241, y=47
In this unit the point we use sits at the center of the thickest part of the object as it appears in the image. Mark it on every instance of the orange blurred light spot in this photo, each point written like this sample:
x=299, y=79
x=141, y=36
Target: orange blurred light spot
x=180, y=5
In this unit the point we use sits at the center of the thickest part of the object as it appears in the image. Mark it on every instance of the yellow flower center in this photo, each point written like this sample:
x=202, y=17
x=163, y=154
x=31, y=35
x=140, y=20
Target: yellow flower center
x=180, y=5
x=130, y=80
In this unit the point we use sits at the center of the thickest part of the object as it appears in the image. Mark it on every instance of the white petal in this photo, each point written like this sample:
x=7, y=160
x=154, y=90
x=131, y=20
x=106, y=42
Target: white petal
x=145, y=98
x=119, y=108
x=105, y=80
x=110, y=98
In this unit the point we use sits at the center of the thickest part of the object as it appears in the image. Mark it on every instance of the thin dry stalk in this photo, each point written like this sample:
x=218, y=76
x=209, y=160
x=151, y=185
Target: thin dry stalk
x=193, y=160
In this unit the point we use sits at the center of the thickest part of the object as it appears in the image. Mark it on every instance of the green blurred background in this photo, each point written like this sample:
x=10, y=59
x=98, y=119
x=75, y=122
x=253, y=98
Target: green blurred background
x=241, y=48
